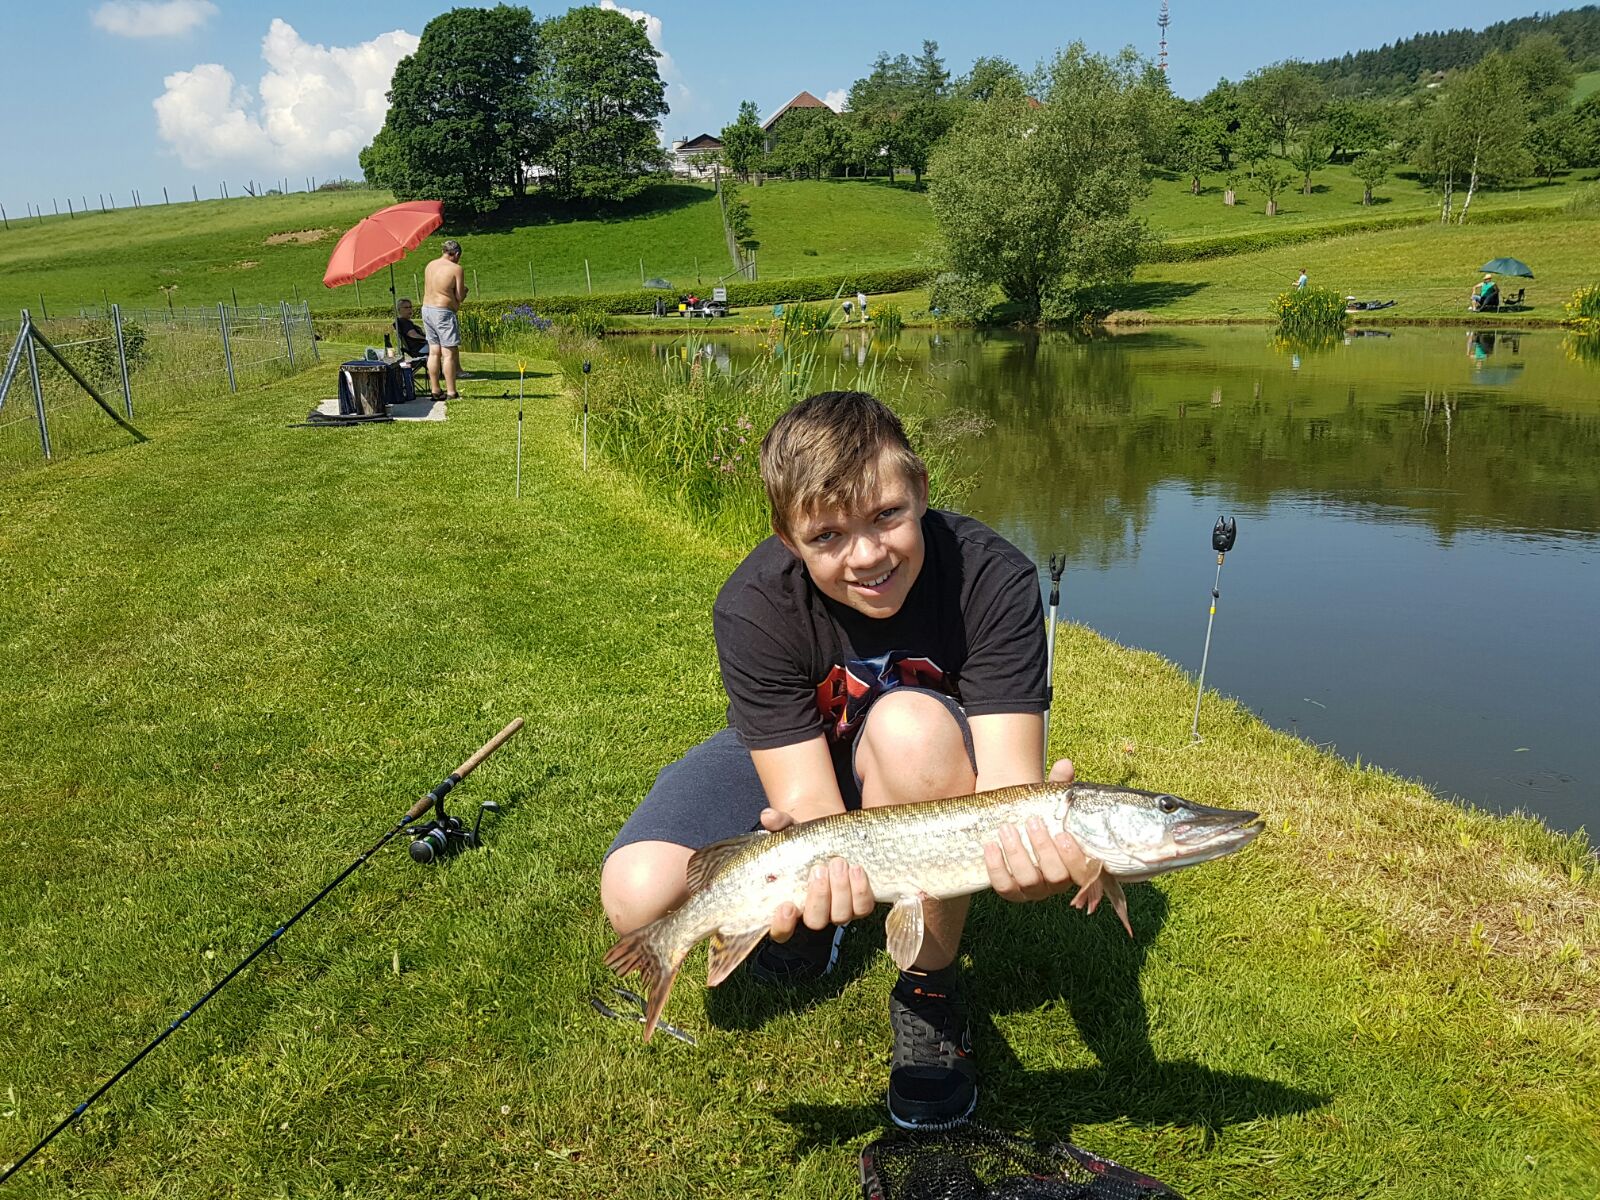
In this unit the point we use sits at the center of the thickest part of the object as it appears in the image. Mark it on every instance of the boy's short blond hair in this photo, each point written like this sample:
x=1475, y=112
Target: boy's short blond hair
x=826, y=453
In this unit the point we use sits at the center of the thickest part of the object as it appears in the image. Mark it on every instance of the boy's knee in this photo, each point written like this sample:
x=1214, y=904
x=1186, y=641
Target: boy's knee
x=641, y=882
x=913, y=737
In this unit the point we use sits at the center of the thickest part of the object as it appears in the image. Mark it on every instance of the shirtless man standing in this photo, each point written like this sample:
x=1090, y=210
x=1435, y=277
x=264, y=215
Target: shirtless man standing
x=444, y=287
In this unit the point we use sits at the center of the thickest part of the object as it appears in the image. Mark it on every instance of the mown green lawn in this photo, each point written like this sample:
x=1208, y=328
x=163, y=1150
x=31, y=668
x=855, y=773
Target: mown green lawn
x=217, y=249
x=810, y=227
x=236, y=653
x=220, y=250
x=1585, y=86
x=1428, y=269
x=1174, y=212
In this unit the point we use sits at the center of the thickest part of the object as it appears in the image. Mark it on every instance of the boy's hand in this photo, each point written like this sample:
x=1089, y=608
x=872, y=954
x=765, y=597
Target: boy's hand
x=837, y=893
x=1056, y=865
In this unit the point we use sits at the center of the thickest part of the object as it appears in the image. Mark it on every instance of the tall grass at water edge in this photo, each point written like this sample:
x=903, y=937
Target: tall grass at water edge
x=689, y=421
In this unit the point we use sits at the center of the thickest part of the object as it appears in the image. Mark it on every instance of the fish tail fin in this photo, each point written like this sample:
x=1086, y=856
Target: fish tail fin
x=649, y=951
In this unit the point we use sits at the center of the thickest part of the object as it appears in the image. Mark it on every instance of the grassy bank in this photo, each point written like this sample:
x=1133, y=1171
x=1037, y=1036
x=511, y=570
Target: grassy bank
x=235, y=653
x=1428, y=270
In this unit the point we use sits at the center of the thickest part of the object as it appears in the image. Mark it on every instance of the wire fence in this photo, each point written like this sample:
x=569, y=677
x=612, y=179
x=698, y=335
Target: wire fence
x=138, y=361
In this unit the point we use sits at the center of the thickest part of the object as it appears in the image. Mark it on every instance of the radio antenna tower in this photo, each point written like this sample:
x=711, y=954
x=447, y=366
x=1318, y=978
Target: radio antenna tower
x=1163, y=20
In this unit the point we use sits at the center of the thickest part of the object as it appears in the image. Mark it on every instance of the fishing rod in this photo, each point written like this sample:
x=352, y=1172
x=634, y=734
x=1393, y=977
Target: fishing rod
x=1057, y=566
x=1223, y=535
x=442, y=836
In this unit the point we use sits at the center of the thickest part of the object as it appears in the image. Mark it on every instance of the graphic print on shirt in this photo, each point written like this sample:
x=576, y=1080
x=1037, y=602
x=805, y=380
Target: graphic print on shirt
x=845, y=693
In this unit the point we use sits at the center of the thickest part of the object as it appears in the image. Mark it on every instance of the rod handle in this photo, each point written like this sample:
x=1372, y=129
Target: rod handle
x=465, y=769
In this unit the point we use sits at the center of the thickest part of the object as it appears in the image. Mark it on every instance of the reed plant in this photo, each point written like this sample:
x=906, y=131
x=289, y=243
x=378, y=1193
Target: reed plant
x=688, y=421
x=1583, y=310
x=1310, y=311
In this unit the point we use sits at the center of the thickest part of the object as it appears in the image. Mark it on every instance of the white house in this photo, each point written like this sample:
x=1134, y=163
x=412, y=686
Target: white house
x=694, y=159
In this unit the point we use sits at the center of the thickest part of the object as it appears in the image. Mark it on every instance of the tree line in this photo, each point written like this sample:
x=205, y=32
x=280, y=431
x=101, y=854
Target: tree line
x=493, y=100
x=1394, y=69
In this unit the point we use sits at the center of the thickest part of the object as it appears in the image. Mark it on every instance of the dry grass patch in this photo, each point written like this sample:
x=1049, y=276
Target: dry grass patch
x=299, y=237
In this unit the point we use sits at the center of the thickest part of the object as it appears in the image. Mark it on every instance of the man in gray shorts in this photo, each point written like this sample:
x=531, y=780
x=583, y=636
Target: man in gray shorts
x=444, y=287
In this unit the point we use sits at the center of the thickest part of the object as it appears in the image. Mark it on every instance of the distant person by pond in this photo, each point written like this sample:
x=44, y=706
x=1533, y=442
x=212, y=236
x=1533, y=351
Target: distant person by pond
x=1300, y=284
x=1485, y=296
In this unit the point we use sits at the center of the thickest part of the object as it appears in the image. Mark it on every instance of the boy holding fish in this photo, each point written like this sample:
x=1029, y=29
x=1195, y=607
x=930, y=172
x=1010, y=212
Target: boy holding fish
x=875, y=653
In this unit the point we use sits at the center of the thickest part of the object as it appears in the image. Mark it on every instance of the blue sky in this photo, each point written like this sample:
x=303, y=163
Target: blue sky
x=112, y=95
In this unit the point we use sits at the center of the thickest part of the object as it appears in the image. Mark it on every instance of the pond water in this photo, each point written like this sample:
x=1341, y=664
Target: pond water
x=1417, y=574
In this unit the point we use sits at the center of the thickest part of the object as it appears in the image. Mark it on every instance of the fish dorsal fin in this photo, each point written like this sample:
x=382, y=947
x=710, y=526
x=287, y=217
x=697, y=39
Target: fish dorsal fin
x=706, y=862
x=903, y=931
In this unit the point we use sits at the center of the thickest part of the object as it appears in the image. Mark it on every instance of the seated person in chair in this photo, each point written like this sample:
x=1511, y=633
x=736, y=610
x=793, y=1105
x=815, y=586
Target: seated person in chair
x=1486, y=296
x=411, y=341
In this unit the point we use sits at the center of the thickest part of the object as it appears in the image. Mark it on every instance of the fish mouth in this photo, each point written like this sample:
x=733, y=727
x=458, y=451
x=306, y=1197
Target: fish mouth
x=1212, y=832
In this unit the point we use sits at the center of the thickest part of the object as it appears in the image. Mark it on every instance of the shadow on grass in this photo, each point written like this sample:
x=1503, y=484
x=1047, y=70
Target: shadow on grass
x=1090, y=966
x=1153, y=294
x=543, y=208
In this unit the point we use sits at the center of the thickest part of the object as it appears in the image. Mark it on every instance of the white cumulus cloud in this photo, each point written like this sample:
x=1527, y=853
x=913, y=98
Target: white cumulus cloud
x=678, y=94
x=315, y=107
x=837, y=99
x=152, y=18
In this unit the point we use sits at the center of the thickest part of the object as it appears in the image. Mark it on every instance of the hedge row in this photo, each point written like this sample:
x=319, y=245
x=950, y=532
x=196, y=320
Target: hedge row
x=1194, y=249
x=642, y=300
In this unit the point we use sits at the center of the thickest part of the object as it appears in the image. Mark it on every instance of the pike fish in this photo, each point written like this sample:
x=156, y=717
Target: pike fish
x=912, y=852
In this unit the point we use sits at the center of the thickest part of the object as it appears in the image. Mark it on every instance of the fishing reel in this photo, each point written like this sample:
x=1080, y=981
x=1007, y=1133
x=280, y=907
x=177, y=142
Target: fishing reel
x=447, y=835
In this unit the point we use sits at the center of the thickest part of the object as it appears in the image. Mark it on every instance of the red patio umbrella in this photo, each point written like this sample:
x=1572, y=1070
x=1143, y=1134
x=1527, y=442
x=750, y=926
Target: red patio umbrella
x=382, y=240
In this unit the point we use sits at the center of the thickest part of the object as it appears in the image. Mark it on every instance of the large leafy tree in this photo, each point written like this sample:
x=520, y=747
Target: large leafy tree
x=1038, y=199
x=462, y=119
x=1477, y=132
x=1541, y=66
x=742, y=141
x=1287, y=96
x=904, y=106
x=1356, y=126
x=604, y=95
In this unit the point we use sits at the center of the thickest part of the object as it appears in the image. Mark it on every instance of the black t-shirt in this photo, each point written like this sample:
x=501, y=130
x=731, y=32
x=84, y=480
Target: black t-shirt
x=796, y=664
x=411, y=338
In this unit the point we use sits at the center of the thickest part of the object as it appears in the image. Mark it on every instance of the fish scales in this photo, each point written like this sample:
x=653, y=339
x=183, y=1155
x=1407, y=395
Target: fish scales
x=931, y=849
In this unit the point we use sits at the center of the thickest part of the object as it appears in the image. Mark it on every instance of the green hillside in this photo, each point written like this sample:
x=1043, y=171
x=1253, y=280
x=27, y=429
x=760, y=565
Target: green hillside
x=215, y=249
x=1586, y=86
x=809, y=227
x=276, y=247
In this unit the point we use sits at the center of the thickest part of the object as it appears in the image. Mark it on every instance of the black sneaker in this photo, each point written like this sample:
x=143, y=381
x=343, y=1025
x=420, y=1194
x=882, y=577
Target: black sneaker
x=804, y=958
x=933, y=1081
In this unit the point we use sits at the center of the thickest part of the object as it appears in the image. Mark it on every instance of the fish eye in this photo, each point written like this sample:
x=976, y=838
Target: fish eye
x=1169, y=804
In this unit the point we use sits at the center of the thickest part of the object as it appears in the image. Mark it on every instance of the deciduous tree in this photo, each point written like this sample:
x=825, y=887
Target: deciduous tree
x=1372, y=167
x=1038, y=200
x=1287, y=97
x=604, y=96
x=742, y=141
x=463, y=120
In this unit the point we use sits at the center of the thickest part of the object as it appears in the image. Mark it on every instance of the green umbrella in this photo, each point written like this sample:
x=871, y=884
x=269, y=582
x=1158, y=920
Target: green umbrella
x=1507, y=266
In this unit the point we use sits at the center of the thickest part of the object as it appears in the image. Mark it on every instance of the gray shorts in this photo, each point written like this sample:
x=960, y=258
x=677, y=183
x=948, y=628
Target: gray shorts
x=713, y=791
x=440, y=327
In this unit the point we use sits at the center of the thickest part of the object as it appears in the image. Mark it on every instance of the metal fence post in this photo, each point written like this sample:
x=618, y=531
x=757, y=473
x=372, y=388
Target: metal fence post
x=38, y=390
x=311, y=333
x=122, y=360
x=283, y=315
x=227, y=351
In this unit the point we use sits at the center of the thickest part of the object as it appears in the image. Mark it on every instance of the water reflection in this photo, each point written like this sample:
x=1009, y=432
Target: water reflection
x=1418, y=571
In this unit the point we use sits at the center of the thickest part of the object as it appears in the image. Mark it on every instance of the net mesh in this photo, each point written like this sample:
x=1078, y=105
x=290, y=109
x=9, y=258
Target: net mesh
x=974, y=1163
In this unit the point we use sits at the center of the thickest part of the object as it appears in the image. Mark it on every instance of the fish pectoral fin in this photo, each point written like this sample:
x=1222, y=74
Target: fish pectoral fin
x=728, y=950
x=707, y=861
x=1088, y=896
x=903, y=931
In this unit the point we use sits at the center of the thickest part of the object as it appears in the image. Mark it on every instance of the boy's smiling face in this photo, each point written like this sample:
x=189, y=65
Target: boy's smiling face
x=869, y=557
